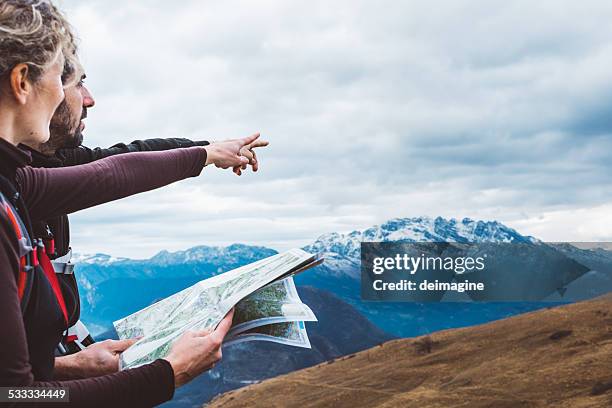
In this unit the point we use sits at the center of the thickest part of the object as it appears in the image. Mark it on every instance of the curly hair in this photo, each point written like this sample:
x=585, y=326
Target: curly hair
x=36, y=33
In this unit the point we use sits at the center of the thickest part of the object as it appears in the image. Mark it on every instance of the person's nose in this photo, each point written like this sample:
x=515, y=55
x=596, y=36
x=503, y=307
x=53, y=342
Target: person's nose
x=88, y=99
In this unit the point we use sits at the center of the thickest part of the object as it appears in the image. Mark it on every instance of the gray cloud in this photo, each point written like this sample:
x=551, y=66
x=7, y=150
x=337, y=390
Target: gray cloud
x=374, y=110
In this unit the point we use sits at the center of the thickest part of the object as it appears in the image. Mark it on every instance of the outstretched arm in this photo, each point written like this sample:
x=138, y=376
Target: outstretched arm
x=49, y=192
x=55, y=191
x=84, y=155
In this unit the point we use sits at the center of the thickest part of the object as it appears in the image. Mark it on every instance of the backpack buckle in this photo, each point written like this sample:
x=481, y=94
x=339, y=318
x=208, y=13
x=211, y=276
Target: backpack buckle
x=63, y=268
x=24, y=247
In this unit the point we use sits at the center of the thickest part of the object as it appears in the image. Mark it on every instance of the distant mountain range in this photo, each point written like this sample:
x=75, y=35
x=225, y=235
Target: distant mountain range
x=341, y=251
x=105, y=280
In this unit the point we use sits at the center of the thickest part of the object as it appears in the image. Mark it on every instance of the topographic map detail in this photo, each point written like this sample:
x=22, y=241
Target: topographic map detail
x=265, y=309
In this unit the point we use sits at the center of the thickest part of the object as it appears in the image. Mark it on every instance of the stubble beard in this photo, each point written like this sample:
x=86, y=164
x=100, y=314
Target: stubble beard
x=63, y=132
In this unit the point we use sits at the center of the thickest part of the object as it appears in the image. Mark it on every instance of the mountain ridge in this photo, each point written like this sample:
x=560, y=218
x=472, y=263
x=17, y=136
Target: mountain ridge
x=342, y=249
x=103, y=278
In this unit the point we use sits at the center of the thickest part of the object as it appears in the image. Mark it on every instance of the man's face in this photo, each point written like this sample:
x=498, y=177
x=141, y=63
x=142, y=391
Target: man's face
x=67, y=123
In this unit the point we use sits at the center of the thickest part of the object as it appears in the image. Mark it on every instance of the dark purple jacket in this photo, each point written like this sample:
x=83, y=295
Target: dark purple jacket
x=45, y=193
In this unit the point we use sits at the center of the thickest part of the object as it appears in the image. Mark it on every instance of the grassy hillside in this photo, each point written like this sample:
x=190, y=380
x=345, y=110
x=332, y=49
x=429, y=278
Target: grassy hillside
x=559, y=357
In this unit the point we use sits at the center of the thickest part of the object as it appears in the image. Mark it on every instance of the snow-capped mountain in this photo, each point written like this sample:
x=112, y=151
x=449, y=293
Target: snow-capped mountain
x=199, y=254
x=417, y=229
x=97, y=259
x=208, y=254
x=104, y=280
x=342, y=251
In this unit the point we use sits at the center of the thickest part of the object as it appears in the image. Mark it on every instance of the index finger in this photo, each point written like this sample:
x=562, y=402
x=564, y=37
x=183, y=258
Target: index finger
x=259, y=143
x=250, y=139
x=224, y=325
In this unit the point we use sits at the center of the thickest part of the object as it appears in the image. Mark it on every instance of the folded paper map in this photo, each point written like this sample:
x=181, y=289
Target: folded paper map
x=267, y=307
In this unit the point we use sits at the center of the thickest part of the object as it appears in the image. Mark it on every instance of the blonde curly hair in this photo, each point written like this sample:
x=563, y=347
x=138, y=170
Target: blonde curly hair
x=36, y=33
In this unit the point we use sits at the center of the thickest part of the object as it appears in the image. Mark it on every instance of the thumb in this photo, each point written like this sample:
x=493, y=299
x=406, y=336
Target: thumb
x=243, y=160
x=202, y=333
x=224, y=325
x=121, y=345
x=250, y=139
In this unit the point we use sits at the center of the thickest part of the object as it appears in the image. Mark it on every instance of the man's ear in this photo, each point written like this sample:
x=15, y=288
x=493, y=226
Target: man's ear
x=20, y=85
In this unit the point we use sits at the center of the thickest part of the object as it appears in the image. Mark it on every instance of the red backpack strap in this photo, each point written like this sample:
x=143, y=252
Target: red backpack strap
x=25, y=252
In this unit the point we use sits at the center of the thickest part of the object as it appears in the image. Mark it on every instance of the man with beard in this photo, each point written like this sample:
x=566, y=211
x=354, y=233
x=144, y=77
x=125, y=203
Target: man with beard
x=78, y=356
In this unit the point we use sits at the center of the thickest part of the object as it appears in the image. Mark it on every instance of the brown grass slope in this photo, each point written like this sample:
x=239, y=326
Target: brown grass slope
x=559, y=357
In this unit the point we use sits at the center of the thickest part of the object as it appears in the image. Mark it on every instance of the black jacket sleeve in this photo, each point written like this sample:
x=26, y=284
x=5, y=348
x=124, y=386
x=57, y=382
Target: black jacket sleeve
x=84, y=155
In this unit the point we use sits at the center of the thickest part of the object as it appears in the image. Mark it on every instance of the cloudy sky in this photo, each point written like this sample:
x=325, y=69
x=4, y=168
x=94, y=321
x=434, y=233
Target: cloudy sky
x=374, y=110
